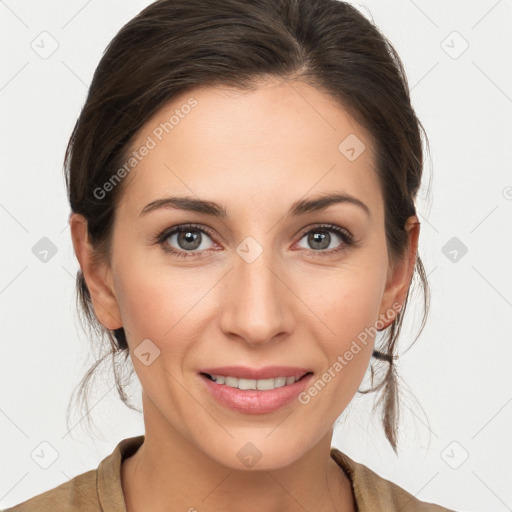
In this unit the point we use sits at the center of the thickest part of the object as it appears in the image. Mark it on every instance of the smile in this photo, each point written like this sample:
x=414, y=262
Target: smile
x=256, y=384
x=254, y=396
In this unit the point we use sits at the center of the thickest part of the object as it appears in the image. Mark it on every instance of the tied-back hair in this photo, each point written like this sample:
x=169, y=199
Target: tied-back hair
x=173, y=46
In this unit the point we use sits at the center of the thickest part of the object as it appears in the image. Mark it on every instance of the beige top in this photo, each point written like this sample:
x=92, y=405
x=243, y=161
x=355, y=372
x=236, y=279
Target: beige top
x=100, y=489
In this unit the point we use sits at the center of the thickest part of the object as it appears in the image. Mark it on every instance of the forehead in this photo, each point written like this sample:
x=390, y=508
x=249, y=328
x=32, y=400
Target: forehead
x=275, y=143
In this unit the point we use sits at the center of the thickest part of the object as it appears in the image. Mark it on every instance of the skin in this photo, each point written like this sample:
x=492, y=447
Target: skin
x=255, y=153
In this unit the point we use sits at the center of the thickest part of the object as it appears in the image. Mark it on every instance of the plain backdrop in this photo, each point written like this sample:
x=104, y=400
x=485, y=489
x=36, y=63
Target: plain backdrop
x=455, y=438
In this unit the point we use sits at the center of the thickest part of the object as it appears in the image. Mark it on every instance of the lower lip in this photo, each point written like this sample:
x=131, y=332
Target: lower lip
x=252, y=401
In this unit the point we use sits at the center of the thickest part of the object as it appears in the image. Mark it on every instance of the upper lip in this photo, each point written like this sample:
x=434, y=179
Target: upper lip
x=267, y=372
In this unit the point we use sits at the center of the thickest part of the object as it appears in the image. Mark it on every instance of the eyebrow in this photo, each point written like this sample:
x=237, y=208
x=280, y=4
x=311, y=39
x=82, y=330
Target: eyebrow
x=299, y=207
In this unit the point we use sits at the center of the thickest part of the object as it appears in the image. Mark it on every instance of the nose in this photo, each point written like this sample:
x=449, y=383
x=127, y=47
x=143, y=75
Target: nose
x=257, y=302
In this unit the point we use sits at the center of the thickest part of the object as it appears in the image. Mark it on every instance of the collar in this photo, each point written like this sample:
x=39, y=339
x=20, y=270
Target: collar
x=110, y=491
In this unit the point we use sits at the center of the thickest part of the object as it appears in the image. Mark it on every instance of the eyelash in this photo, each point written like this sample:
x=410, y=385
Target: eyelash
x=345, y=235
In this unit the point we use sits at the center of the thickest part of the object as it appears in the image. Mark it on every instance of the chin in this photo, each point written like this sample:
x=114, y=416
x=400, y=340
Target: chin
x=257, y=452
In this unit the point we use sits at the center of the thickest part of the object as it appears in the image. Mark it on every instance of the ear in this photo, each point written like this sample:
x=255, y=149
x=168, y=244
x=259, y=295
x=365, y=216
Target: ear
x=399, y=276
x=97, y=275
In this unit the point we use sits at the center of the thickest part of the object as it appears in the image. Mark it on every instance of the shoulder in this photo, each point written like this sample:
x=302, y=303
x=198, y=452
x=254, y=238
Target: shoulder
x=78, y=494
x=95, y=490
x=374, y=492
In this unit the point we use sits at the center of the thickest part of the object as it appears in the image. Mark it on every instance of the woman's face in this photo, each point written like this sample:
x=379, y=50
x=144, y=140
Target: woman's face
x=266, y=284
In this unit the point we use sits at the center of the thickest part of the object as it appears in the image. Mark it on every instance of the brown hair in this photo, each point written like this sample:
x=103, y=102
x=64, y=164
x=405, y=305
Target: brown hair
x=175, y=45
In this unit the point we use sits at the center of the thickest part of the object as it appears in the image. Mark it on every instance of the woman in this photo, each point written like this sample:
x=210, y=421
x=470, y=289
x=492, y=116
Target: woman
x=242, y=181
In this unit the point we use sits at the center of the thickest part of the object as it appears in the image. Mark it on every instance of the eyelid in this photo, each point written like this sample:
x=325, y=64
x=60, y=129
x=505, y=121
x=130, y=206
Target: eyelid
x=327, y=227
x=348, y=240
x=166, y=233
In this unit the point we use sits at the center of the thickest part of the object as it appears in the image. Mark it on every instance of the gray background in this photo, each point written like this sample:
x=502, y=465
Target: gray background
x=455, y=445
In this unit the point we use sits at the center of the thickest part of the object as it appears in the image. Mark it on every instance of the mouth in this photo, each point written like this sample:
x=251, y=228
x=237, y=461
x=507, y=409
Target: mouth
x=255, y=395
x=255, y=384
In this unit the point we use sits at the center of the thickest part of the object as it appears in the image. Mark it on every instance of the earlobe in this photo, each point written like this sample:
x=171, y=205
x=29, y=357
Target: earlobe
x=399, y=278
x=96, y=275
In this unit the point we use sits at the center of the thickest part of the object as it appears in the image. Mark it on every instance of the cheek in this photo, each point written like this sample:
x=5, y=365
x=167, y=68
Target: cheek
x=151, y=302
x=164, y=304
x=346, y=300
x=347, y=306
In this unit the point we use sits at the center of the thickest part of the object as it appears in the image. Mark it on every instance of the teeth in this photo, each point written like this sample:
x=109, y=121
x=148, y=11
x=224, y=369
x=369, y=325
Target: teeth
x=260, y=384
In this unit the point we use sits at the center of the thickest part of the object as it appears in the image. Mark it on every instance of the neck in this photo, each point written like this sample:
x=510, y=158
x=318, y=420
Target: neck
x=169, y=471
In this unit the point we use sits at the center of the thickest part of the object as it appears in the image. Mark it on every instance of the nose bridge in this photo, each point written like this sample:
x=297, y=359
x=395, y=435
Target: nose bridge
x=256, y=308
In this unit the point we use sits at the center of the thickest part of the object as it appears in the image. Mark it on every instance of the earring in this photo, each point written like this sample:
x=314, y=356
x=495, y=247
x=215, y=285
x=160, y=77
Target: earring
x=384, y=357
x=120, y=337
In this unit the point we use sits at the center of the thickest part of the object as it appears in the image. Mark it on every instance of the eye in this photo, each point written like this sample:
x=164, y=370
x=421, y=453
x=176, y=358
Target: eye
x=320, y=240
x=185, y=240
x=190, y=240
